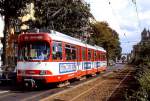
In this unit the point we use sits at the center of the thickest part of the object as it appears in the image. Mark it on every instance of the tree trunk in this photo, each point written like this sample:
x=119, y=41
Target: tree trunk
x=107, y=56
x=4, y=42
x=105, y=46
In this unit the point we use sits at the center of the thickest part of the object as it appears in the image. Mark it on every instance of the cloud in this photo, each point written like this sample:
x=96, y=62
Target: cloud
x=122, y=16
x=128, y=27
x=144, y=15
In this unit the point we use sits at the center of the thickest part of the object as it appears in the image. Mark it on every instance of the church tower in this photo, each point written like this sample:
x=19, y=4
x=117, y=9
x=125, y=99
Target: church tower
x=144, y=35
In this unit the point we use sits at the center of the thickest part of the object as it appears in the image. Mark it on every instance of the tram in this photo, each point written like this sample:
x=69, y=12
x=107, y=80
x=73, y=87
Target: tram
x=55, y=58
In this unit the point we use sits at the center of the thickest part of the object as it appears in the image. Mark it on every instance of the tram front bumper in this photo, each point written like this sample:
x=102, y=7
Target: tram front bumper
x=31, y=79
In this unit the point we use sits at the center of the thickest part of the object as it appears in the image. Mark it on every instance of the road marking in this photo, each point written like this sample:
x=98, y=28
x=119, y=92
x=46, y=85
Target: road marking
x=74, y=87
x=1, y=92
x=34, y=96
x=2, y=96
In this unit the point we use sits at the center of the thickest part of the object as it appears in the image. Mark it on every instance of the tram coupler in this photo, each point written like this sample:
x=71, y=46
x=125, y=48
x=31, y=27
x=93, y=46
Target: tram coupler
x=30, y=83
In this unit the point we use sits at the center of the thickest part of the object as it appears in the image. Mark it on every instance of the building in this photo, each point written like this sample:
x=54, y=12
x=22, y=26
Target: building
x=145, y=36
x=145, y=40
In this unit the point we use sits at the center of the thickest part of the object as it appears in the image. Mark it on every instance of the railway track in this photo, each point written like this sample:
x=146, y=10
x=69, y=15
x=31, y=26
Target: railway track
x=90, y=91
x=47, y=93
x=117, y=86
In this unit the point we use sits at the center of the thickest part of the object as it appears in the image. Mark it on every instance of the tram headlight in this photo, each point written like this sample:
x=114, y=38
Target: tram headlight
x=42, y=72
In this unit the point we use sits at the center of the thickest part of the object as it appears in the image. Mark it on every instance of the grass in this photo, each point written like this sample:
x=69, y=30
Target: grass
x=142, y=93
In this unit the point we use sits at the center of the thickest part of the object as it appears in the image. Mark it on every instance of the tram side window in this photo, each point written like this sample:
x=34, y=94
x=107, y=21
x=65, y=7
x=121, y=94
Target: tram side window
x=103, y=57
x=78, y=53
x=71, y=52
x=92, y=58
x=95, y=55
x=98, y=56
x=57, y=50
x=89, y=55
x=68, y=52
x=83, y=54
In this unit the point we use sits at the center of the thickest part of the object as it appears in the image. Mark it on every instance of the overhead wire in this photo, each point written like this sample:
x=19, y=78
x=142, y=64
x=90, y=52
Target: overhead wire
x=126, y=37
x=116, y=17
x=118, y=22
x=112, y=10
x=138, y=19
x=124, y=42
x=137, y=14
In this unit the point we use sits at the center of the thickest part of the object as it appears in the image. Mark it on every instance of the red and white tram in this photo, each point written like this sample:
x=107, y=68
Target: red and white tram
x=55, y=57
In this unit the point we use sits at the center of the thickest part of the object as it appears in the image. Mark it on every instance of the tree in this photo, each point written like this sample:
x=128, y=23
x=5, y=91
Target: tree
x=142, y=49
x=11, y=10
x=67, y=16
x=108, y=38
x=145, y=51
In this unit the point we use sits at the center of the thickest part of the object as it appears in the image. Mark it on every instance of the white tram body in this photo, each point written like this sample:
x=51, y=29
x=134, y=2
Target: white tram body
x=55, y=57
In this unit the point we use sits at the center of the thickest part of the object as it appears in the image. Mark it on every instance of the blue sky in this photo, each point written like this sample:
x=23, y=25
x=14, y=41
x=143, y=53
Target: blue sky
x=121, y=16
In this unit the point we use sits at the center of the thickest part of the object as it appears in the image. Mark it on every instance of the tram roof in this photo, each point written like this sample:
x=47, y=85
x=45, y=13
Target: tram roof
x=65, y=38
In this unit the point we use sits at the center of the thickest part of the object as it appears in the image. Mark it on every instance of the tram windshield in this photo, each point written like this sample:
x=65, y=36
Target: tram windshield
x=34, y=51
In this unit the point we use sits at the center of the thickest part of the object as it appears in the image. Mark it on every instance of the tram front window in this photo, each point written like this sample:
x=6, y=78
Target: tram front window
x=34, y=51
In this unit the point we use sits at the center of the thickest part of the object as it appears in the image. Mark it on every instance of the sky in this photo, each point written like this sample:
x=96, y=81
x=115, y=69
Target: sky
x=124, y=16
x=121, y=15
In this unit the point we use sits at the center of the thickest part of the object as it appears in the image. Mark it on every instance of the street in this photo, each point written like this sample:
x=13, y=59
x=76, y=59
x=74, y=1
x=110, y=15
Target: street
x=10, y=93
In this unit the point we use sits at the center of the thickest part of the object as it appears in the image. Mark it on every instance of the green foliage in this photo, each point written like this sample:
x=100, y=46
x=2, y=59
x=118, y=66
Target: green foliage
x=11, y=10
x=145, y=51
x=66, y=16
x=142, y=49
x=143, y=77
x=140, y=95
x=143, y=69
x=108, y=38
